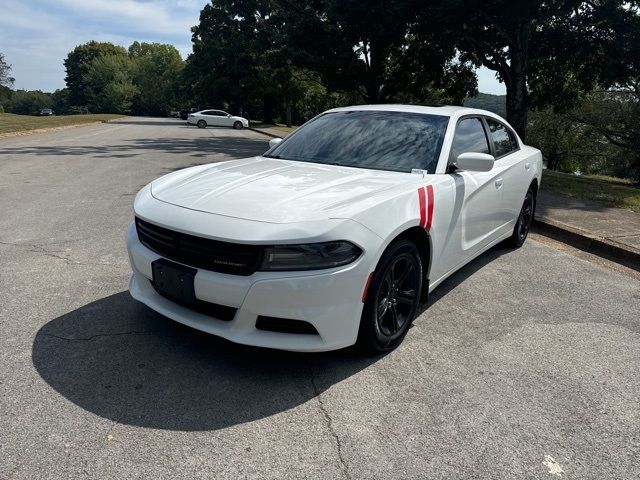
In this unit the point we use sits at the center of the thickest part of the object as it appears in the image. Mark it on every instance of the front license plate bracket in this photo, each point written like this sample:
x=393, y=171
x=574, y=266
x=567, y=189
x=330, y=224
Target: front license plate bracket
x=174, y=281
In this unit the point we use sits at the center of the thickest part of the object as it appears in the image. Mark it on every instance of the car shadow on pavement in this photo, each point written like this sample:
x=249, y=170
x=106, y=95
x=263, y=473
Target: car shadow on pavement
x=122, y=361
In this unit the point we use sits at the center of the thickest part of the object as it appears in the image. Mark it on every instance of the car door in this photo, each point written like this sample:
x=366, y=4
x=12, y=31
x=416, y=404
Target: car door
x=477, y=195
x=512, y=161
x=207, y=116
x=225, y=119
x=219, y=118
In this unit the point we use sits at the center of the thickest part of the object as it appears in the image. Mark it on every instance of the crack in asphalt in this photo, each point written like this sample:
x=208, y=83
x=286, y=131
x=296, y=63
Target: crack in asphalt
x=35, y=248
x=329, y=423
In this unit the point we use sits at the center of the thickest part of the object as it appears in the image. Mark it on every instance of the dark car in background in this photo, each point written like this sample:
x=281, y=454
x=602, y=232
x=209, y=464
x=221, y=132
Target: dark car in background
x=46, y=112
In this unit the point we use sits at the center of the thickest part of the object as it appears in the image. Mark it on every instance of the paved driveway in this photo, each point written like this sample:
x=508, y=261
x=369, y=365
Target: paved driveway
x=524, y=365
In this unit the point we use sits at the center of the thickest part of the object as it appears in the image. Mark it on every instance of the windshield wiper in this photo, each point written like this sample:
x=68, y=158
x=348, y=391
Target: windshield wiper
x=272, y=156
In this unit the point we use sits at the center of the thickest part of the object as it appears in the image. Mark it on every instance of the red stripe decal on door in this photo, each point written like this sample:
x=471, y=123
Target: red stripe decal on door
x=429, y=207
x=423, y=207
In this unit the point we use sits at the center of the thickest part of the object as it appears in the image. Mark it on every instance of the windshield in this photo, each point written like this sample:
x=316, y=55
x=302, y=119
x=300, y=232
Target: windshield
x=396, y=141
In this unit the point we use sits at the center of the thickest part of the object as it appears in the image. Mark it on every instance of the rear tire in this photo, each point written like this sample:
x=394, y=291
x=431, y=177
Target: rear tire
x=237, y=125
x=202, y=124
x=523, y=224
x=392, y=299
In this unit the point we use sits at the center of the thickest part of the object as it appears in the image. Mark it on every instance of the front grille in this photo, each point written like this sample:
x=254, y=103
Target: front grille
x=199, y=252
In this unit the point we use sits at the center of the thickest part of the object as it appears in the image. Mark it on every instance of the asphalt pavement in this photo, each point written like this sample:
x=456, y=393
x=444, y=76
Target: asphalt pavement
x=525, y=364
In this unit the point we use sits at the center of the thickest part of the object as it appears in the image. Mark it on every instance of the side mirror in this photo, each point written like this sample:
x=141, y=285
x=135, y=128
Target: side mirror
x=228, y=115
x=274, y=141
x=475, y=162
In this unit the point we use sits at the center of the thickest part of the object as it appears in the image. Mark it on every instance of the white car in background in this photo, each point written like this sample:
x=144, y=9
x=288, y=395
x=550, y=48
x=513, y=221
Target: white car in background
x=337, y=233
x=216, y=118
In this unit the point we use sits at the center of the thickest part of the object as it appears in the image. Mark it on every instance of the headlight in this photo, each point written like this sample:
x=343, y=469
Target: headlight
x=313, y=256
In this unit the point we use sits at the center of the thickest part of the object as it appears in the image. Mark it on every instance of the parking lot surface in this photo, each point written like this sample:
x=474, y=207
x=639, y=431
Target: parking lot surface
x=525, y=364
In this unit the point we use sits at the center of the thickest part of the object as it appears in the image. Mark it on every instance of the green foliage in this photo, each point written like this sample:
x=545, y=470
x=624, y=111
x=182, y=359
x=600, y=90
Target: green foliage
x=258, y=56
x=102, y=77
x=60, y=100
x=556, y=50
x=602, y=135
x=156, y=73
x=109, y=84
x=78, y=63
x=27, y=102
x=377, y=49
x=6, y=80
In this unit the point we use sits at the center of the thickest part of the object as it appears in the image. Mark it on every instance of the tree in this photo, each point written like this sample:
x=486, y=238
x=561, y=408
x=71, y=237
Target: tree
x=77, y=65
x=239, y=57
x=571, y=39
x=377, y=48
x=5, y=69
x=25, y=102
x=156, y=72
x=614, y=116
x=109, y=84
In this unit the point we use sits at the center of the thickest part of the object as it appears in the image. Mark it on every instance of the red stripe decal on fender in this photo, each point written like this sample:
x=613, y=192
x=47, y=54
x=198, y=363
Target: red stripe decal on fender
x=423, y=207
x=430, y=207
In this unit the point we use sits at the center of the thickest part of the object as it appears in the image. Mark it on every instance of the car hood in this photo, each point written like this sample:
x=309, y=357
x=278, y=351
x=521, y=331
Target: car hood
x=278, y=191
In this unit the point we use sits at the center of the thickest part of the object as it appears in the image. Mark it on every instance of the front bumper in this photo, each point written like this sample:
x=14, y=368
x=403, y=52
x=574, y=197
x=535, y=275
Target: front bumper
x=329, y=299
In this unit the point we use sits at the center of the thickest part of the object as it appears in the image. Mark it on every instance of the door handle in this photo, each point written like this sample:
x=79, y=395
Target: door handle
x=527, y=165
x=498, y=182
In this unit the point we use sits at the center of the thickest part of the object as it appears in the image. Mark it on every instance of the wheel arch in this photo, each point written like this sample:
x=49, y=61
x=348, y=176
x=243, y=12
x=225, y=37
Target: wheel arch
x=422, y=240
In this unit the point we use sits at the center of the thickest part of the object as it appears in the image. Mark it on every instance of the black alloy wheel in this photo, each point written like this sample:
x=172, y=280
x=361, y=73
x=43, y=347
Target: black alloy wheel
x=392, y=299
x=523, y=224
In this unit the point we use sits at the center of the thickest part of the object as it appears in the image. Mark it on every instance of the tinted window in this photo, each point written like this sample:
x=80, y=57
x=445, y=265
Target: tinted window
x=219, y=113
x=503, y=139
x=207, y=112
x=469, y=137
x=396, y=141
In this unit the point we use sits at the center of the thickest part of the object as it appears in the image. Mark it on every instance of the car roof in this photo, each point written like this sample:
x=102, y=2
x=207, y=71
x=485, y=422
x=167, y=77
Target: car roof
x=444, y=110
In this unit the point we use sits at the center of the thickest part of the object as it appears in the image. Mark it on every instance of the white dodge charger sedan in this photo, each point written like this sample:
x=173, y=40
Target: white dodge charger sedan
x=337, y=233
x=216, y=118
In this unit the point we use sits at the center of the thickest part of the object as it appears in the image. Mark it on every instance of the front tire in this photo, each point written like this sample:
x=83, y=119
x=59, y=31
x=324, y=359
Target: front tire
x=237, y=125
x=523, y=224
x=202, y=124
x=392, y=299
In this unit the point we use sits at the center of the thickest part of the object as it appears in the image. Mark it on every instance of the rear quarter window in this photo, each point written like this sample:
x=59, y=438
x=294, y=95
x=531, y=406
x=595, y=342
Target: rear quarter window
x=504, y=140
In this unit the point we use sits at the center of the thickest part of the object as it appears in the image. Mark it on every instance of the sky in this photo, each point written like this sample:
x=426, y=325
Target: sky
x=37, y=35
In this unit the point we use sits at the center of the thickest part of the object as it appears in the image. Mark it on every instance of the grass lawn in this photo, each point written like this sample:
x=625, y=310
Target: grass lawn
x=615, y=192
x=284, y=128
x=278, y=126
x=18, y=123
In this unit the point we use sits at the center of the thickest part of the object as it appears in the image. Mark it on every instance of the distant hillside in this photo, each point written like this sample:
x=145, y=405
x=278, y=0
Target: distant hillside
x=485, y=101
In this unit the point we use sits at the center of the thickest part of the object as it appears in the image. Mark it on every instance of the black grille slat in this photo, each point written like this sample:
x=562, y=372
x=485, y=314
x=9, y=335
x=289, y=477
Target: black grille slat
x=199, y=252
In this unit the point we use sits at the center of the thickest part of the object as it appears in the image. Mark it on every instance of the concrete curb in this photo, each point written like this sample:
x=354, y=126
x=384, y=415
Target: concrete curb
x=588, y=242
x=271, y=135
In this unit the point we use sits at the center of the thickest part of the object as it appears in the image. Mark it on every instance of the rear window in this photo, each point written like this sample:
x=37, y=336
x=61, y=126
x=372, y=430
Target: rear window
x=394, y=141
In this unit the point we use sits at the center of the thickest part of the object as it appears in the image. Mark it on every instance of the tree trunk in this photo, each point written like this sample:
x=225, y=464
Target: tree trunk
x=288, y=112
x=517, y=93
x=267, y=110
